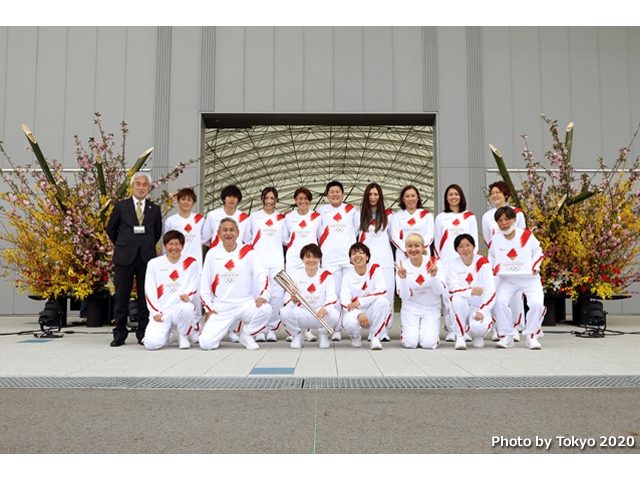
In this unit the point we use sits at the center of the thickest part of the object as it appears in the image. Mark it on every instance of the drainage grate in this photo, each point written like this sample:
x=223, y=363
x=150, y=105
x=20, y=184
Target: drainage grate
x=476, y=382
x=271, y=383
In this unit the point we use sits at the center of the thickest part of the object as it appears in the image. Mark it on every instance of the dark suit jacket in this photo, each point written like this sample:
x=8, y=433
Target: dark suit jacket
x=127, y=245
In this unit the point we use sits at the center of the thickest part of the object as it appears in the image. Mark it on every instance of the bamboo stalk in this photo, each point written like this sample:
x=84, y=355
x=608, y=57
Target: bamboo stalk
x=504, y=173
x=123, y=187
x=43, y=163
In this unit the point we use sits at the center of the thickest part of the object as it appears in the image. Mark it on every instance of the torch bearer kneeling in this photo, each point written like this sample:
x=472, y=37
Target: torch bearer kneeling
x=283, y=279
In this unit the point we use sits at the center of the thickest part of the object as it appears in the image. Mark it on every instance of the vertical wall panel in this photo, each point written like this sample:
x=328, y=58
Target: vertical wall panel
x=525, y=76
x=475, y=121
x=318, y=69
x=258, y=71
x=184, y=119
x=160, y=155
x=4, y=35
x=50, y=92
x=555, y=88
x=614, y=90
x=378, y=69
x=20, y=86
x=289, y=69
x=110, y=83
x=347, y=74
x=140, y=90
x=407, y=72
x=80, y=86
x=431, y=68
x=585, y=92
x=207, y=84
x=498, y=116
x=633, y=60
x=229, y=69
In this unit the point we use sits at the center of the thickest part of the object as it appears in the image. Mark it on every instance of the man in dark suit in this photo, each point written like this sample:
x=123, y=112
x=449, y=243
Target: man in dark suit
x=135, y=226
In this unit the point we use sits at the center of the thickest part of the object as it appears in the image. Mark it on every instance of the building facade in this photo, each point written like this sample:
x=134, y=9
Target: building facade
x=474, y=85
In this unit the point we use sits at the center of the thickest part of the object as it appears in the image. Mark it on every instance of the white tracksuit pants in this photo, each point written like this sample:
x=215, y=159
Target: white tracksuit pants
x=277, y=299
x=511, y=286
x=463, y=309
x=377, y=313
x=181, y=316
x=296, y=319
x=217, y=327
x=420, y=326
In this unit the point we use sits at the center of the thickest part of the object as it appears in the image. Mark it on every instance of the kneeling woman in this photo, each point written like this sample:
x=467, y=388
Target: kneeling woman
x=362, y=295
x=318, y=288
x=420, y=285
x=472, y=292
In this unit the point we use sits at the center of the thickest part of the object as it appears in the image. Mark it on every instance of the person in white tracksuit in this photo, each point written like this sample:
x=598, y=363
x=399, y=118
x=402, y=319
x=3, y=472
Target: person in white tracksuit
x=500, y=192
x=339, y=230
x=190, y=225
x=453, y=221
x=171, y=282
x=471, y=291
x=374, y=232
x=268, y=230
x=516, y=256
x=316, y=286
x=421, y=284
x=234, y=288
x=363, y=298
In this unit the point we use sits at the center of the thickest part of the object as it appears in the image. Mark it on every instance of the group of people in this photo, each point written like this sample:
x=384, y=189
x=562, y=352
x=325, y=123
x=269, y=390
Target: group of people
x=341, y=261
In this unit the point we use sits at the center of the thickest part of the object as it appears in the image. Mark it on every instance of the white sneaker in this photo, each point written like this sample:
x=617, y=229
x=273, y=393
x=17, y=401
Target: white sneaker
x=451, y=337
x=233, y=337
x=324, y=340
x=532, y=343
x=337, y=336
x=516, y=335
x=248, y=341
x=385, y=338
x=194, y=337
x=494, y=336
x=310, y=337
x=258, y=338
x=505, y=342
x=184, y=342
x=297, y=341
x=356, y=342
x=478, y=342
x=375, y=343
x=289, y=338
x=460, y=343
x=271, y=336
x=467, y=337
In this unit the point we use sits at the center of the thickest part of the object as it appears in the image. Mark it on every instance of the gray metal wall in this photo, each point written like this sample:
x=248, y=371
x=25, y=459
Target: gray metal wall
x=486, y=85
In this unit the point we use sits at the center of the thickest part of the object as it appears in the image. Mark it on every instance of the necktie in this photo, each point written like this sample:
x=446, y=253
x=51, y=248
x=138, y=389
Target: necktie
x=139, y=213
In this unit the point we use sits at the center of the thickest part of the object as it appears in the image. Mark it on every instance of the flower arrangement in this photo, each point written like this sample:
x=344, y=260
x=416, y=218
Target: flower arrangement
x=54, y=223
x=589, y=226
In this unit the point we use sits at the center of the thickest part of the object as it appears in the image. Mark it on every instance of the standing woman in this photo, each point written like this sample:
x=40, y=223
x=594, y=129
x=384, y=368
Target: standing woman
x=500, y=192
x=374, y=233
x=268, y=230
x=454, y=221
x=412, y=218
x=303, y=226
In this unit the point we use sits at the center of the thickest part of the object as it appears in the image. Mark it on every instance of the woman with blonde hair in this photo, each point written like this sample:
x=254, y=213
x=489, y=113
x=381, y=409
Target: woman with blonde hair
x=420, y=283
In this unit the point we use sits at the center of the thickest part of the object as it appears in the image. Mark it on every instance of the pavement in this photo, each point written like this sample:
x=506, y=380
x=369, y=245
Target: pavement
x=76, y=394
x=86, y=353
